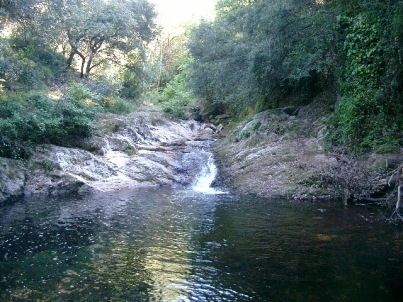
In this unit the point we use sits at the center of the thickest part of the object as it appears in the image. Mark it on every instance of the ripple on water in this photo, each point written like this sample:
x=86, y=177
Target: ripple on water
x=164, y=245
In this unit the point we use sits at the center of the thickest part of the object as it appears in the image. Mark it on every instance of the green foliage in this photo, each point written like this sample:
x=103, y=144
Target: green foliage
x=364, y=50
x=272, y=53
x=131, y=86
x=257, y=50
x=53, y=64
x=35, y=118
x=83, y=93
x=363, y=124
x=47, y=165
x=99, y=97
x=176, y=97
x=117, y=105
x=369, y=116
x=25, y=66
x=98, y=32
x=130, y=151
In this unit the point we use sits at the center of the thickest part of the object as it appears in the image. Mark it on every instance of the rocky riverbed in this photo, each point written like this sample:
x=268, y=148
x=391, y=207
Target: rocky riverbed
x=281, y=153
x=139, y=149
x=276, y=153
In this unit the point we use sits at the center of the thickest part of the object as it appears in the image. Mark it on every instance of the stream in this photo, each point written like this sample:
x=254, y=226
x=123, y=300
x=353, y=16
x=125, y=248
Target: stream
x=196, y=244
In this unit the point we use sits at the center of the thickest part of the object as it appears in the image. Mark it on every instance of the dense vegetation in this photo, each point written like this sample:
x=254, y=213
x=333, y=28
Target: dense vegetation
x=61, y=62
x=261, y=54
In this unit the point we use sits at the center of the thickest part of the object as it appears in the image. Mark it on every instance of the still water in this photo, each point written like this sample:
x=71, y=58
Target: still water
x=180, y=245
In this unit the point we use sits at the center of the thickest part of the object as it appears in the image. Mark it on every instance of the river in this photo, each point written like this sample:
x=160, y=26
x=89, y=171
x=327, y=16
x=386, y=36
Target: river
x=165, y=244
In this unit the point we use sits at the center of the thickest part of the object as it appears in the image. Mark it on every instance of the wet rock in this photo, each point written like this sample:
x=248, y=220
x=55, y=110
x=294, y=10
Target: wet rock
x=52, y=184
x=58, y=170
x=139, y=149
x=323, y=237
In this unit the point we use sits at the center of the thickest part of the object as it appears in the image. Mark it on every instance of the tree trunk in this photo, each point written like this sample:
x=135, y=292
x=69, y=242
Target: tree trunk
x=71, y=57
x=82, y=64
x=160, y=70
x=89, y=63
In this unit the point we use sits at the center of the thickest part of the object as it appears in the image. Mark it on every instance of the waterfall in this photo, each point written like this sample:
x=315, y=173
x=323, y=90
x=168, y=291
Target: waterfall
x=198, y=167
x=206, y=177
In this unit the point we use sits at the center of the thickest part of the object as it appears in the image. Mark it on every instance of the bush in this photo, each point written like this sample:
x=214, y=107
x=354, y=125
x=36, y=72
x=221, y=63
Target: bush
x=370, y=113
x=82, y=93
x=176, y=97
x=26, y=65
x=131, y=86
x=75, y=119
x=49, y=63
x=176, y=108
x=100, y=96
x=31, y=119
x=366, y=124
x=117, y=105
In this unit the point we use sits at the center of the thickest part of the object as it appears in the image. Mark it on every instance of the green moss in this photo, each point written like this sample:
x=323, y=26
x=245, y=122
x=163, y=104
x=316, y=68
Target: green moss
x=47, y=165
x=130, y=151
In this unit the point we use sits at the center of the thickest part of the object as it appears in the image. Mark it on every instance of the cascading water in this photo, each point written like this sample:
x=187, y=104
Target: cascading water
x=206, y=177
x=199, y=168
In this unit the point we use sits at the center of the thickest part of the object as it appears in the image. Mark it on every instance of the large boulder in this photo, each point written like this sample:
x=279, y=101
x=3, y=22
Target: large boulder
x=59, y=170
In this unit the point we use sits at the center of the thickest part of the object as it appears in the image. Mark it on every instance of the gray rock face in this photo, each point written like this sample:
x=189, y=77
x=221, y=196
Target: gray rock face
x=280, y=153
x=139, y=149
x=12, y=178
x=274, y=154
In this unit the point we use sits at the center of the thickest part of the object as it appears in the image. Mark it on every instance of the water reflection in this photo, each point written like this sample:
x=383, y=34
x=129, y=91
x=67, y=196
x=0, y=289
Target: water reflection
x=165, y=245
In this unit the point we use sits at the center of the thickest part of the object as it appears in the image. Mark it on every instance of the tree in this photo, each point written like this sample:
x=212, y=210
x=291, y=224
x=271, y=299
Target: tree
x=97, y=31
x=369, y=114
x=257, y=49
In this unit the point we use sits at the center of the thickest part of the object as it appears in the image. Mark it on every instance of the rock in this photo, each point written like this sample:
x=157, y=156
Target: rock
x=58, y=170
x=323, y=237
x=220, y=128
x=291, y=110
x=52, y=184
x=138, y=149
x=207, y=132
x=95, y=144
x=393, y=163
x=274, y=160
x=222, y=117
x=12, y=179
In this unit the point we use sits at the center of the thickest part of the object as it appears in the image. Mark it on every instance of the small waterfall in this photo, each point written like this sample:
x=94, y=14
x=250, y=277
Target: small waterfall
x=199, y=168
x=206, y=177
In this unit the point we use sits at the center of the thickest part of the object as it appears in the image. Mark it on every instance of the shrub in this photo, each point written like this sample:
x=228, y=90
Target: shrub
x=26, y=64
x=131, y=86
x=117, y=105
x=75, y=118
x=35, y=118
x=82, y=93
x=366, y=124
x=176, y=97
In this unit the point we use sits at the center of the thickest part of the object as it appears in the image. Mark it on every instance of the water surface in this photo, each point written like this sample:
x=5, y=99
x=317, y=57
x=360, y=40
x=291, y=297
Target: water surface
x=180, y=245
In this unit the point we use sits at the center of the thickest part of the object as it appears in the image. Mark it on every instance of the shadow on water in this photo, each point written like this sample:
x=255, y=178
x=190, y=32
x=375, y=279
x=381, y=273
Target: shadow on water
x=180, y=245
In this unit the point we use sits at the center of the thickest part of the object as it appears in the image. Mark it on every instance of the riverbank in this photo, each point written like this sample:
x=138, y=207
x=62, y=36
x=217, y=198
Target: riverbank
x=282, y=153
x=279, y=153
x=140, y=149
